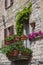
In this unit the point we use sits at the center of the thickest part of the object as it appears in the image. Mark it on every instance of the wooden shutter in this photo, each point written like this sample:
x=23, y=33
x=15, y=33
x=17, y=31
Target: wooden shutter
x=5, y=4
x=5, y=33
x=12, y=30
x=11, y=33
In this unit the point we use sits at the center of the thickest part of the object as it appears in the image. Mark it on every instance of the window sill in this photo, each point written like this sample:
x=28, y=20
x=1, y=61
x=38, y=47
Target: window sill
x=9, y=6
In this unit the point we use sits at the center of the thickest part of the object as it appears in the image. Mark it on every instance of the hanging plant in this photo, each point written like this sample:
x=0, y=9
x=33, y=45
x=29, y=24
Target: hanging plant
x=22, y=17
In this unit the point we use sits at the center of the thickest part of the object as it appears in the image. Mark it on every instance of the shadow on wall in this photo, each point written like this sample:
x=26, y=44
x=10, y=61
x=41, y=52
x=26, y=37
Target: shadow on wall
x=20, y=62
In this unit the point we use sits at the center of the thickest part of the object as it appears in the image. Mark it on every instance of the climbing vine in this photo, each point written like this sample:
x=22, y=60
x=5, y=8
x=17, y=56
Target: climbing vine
x=22, y=17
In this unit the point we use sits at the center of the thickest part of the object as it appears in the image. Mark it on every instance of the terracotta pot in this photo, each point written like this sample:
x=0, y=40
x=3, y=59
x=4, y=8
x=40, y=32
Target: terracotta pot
x=16, y=39
x=7, y=42
x=10, y=55
x=23, y=37
x=15, y=53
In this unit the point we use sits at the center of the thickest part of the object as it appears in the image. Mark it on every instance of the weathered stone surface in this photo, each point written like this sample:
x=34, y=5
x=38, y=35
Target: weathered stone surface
x=10, y=15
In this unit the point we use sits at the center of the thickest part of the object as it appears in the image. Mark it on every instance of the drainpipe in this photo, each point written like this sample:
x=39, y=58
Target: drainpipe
x=4, y=23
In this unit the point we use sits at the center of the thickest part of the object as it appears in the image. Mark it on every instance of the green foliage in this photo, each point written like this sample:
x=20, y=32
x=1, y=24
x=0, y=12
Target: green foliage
x=27, y=50
x=11, y=47
x=6, y=49
x=16, y=46
x=22, y=17
x=9, y=38
x=20, y=42
x=14, y=36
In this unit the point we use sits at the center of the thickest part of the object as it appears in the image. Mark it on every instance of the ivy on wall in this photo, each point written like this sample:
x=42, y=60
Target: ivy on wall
x=22, y=17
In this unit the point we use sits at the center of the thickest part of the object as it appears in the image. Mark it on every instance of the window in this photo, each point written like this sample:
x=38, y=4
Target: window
x=8, y=3
x=8, y=32
x=33, y=26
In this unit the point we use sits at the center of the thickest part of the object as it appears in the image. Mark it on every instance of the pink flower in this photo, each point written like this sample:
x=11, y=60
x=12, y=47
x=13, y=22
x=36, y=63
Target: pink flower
x=33, y=35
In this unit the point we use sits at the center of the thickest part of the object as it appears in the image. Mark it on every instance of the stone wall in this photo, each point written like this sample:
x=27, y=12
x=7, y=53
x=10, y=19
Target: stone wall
x=41, y=10
x=10, y=15
x=37, y=17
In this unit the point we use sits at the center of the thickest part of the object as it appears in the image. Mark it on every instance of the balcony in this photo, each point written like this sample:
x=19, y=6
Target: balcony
x=15, y=51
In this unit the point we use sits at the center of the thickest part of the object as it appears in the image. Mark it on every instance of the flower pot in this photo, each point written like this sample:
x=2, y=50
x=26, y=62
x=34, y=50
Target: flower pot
x=23, y=37
x=7, y=42
x=15, y=53
x=16, y=39
x=12, y=55
x=11, y=41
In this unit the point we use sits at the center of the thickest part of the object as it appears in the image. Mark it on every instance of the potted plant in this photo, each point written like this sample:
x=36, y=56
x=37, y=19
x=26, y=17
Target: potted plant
x=9, y=40
x=16, y=38
x=26, y=52
x=11, y=50
x=16, y=50
x=5, y=49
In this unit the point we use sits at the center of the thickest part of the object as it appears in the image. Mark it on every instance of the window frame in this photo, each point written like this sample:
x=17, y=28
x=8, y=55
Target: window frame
x=5, y=34
x=11, y=3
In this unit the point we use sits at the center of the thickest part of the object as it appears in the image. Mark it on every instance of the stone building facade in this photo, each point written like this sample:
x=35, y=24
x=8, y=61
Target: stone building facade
x=7, y=19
